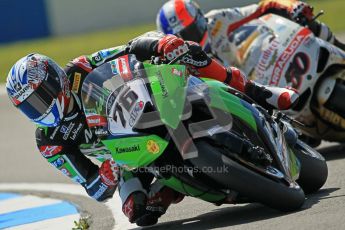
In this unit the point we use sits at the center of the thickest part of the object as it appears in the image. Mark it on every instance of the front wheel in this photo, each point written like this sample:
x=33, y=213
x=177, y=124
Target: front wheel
x=314, y=170
x=248, y=183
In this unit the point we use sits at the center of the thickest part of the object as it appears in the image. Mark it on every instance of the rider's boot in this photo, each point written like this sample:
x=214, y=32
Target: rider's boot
x=159, y=199
x=268, y=97
x=271, y=97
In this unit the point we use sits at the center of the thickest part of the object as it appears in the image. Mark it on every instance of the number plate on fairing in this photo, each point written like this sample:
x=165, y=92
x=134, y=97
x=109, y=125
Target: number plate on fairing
x=125, y=106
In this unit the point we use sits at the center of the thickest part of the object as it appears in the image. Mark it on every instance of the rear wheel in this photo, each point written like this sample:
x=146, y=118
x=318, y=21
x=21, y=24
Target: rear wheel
x=248, y=183
x=314, y=170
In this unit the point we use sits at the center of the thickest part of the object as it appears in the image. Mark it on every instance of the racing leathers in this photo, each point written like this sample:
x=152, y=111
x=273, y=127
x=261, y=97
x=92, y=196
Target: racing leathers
x=69, y=145
x=223, y=22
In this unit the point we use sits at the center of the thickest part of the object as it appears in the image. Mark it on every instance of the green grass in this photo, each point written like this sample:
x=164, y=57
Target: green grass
x=334, y=15
x=63, y=49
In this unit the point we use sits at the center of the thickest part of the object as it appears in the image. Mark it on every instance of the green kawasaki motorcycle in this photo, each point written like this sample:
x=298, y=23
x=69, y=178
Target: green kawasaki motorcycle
x=199, y=136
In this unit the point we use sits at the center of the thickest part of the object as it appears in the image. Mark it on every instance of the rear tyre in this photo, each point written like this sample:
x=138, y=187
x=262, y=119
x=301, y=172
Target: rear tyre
x=314, y=170
x=248, y=183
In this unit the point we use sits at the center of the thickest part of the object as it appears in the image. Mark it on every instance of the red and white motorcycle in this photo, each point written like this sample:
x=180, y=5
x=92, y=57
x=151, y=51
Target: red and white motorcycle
x=273, y=50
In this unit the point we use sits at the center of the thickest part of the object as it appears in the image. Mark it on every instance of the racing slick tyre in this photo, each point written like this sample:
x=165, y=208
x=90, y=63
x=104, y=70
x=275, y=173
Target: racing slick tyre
x=272, y=193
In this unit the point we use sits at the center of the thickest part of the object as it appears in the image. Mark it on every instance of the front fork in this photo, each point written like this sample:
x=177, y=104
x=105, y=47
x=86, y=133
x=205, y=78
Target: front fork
x=291, y=138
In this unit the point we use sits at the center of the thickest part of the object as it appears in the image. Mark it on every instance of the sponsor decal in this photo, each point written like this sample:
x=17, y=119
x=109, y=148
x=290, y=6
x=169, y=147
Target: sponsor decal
x=67, y=130
x=177, y=52
x=50, y=150
x=75, y=132
x=96, y=120
x=152, y=147
x=297, y=69
x=101, y=132
x=54, y=133
x=287, y=54
x=66, y=86
x=176, y=72
x=76, y=82
x=105, y=53
x=108, y=181
x=135, y=112
x=172, y=20
x=245, y=44
x=216, y=28
x=17, y=86
x=129, y=149
x=97, y=57
x=100, y=191
x=332, y=117
x=113, y=67
x=46, y=113
x=123, y=67
x=78, y=179
x=83, y=63
x=162, y=84
x=193, y=62
x=58, y=162
x=88, y=135
x=63, y=129
x=174, y=24
x=22, y=91
x=65, y=171
x=111, y=100
x=267, y=59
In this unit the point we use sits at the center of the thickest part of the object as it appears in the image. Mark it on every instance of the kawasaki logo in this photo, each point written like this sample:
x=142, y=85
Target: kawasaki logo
x=134, y=148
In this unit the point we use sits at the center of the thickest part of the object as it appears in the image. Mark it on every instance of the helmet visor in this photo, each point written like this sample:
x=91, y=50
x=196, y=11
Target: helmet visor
x=40, y=102
x=196, y=30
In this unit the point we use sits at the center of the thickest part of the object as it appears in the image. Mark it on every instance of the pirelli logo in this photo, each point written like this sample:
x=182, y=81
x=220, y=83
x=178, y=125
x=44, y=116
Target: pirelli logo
x=76, y=82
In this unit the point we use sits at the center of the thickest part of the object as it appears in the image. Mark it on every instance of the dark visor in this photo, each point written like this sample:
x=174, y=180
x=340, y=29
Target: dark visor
x=196, y=30
x=42, y=98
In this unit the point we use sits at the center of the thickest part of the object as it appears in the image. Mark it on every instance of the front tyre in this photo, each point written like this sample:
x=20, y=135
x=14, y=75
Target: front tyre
x=248, y=183
x=314, y=170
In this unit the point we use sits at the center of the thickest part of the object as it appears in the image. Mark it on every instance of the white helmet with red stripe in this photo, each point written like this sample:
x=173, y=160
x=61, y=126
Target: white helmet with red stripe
x=39, y=88
x=185, y=19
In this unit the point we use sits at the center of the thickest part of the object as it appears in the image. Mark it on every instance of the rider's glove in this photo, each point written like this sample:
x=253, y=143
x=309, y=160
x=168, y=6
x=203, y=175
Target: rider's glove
x=109, y=173
x=298, y=11
x=302, y=13
x=171, y=47
x=266, y=6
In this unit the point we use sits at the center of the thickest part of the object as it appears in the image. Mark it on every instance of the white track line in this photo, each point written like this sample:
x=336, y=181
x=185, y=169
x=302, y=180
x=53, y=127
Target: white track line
x=51, y=224
x=114, y=204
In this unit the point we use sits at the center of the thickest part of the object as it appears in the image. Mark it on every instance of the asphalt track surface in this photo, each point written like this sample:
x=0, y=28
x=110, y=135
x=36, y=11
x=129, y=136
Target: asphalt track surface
x=21, y=162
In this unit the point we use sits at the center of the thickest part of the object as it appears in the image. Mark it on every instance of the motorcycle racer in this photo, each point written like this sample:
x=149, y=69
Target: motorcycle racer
x=51, y=97
x=185, y=19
